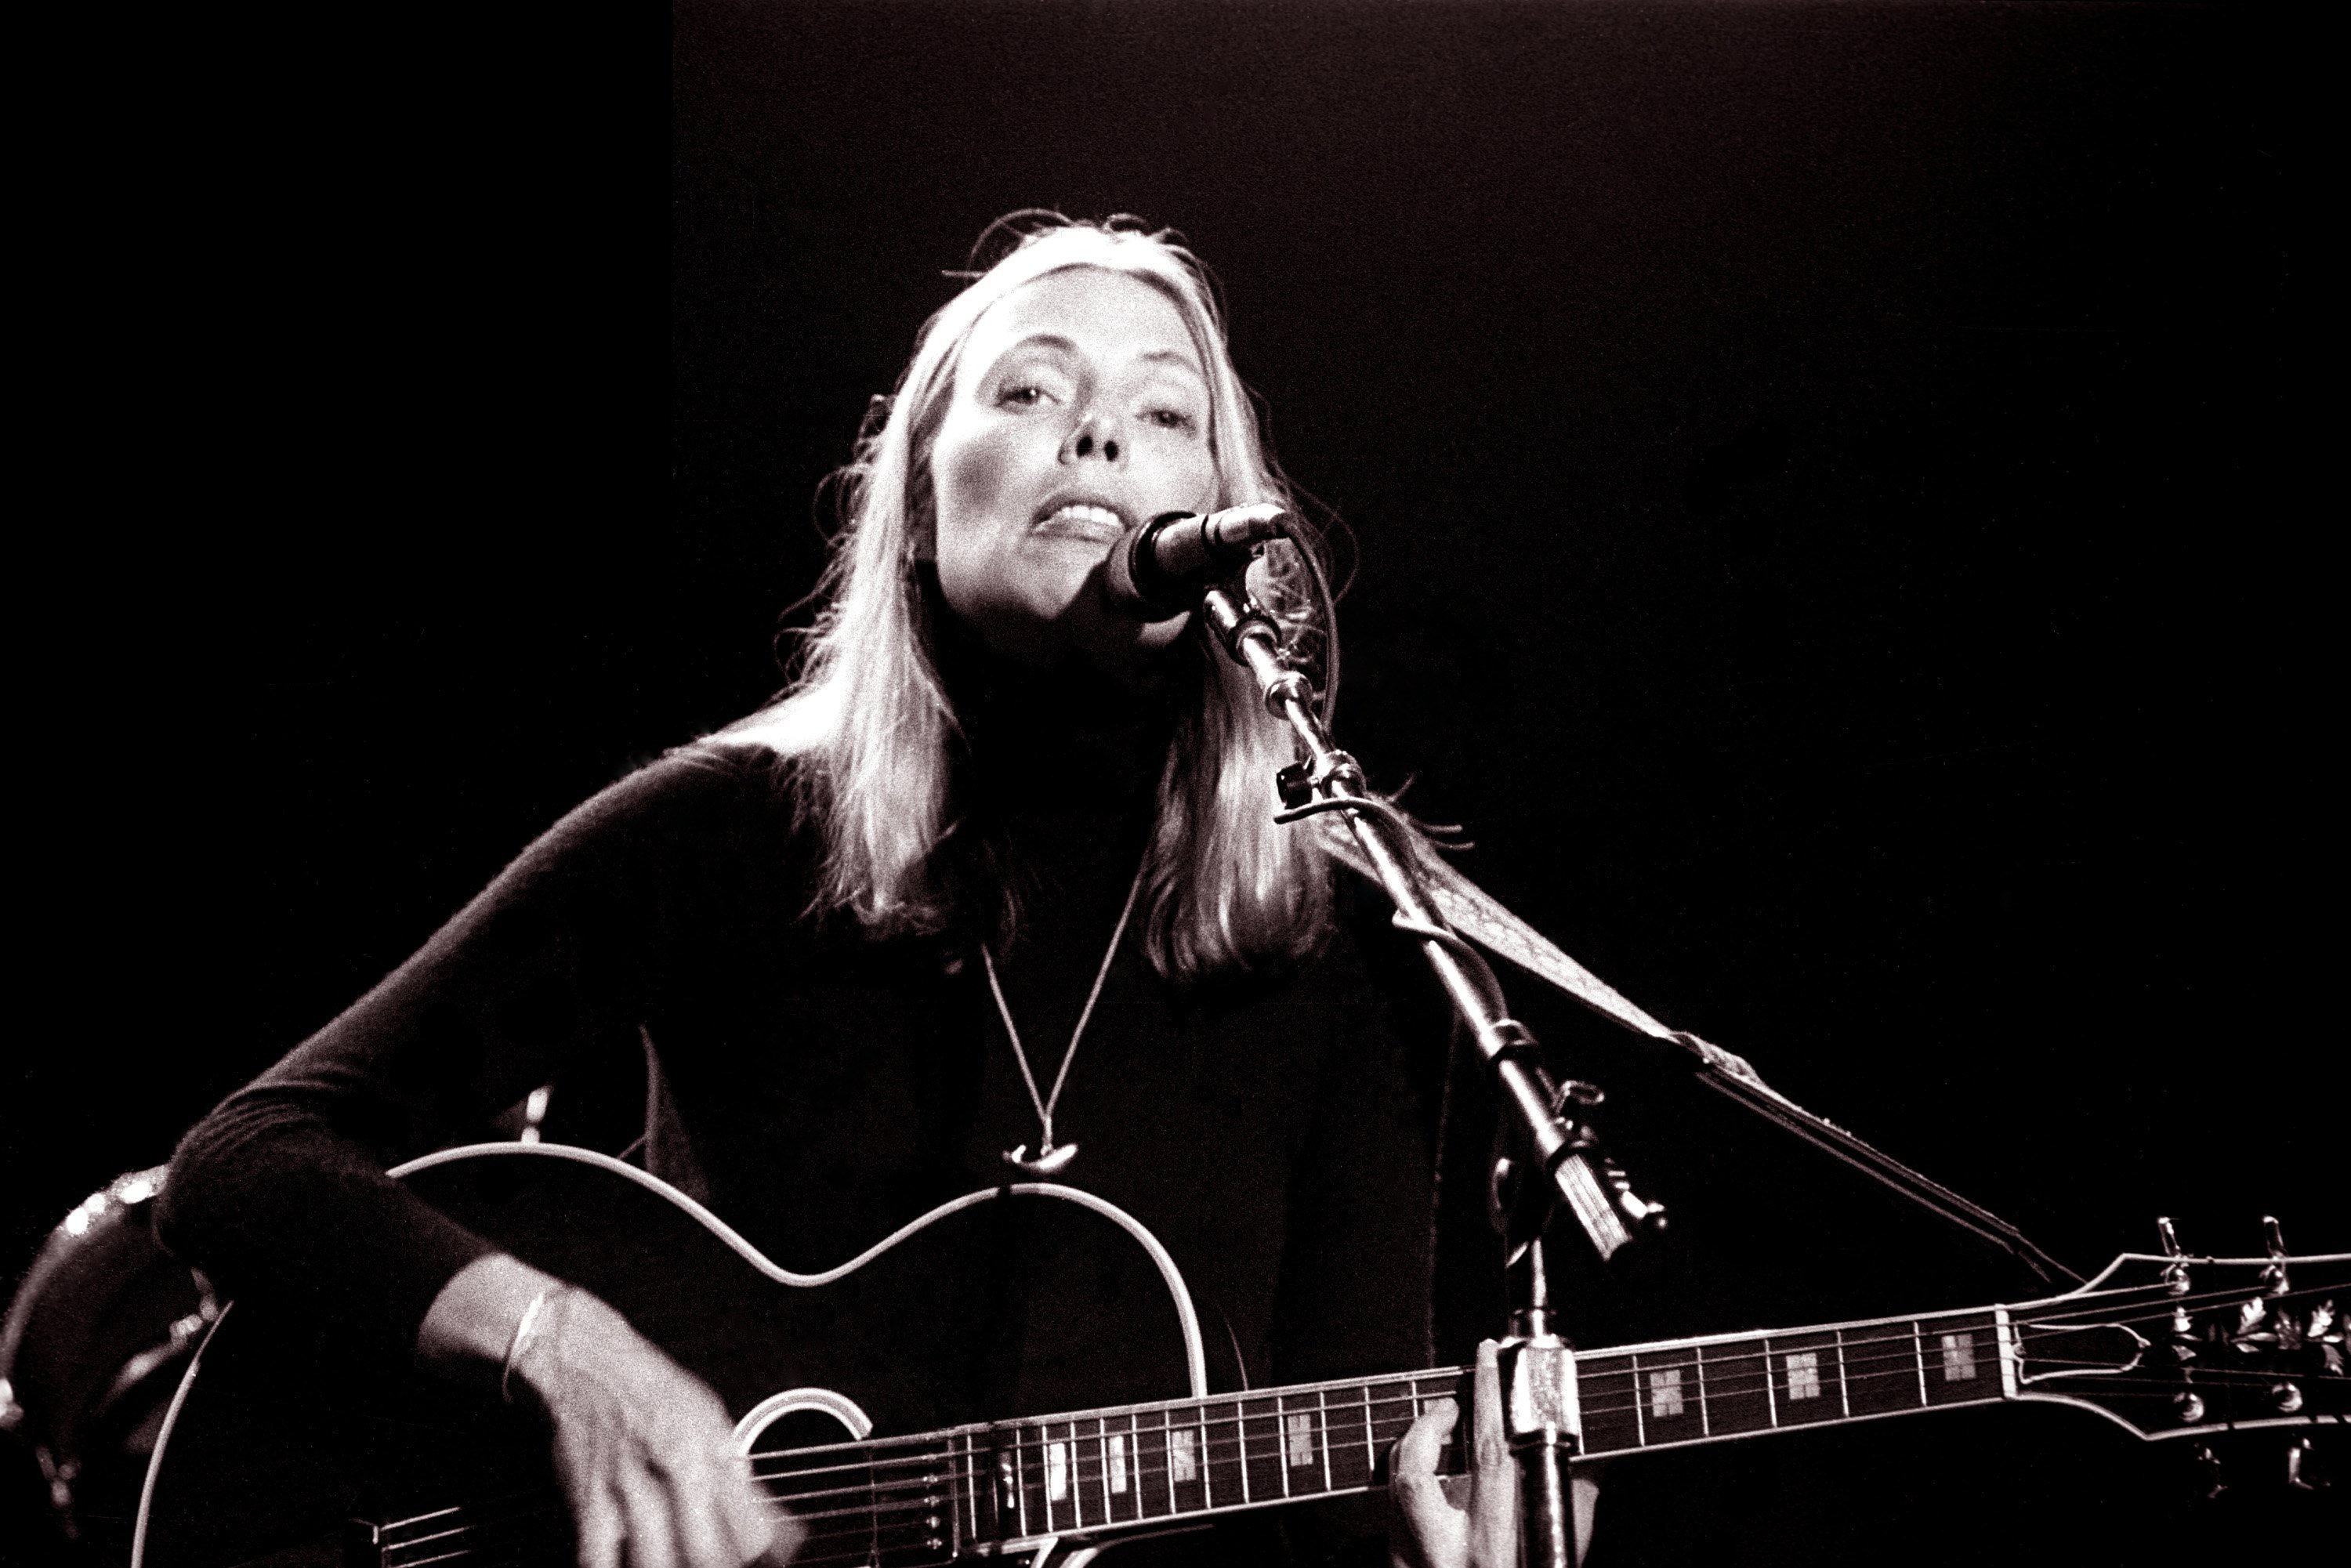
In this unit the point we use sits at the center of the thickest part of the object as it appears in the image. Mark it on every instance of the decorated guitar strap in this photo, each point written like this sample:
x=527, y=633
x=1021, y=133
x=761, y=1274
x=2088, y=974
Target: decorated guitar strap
x=1486, y=921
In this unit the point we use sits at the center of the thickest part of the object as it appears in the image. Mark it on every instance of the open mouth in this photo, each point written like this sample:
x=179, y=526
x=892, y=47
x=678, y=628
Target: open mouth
x=1093, y=520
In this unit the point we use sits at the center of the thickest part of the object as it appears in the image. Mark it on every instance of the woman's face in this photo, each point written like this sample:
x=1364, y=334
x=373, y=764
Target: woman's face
x=1079, y=409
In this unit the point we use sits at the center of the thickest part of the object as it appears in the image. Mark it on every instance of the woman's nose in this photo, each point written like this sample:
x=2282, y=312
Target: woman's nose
x=1096, y=435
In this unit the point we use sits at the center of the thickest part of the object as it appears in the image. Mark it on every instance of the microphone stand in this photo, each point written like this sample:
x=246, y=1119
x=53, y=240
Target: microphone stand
x=1554, y=1160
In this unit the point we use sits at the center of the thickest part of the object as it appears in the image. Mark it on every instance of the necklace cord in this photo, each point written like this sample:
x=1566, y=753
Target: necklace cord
x=1044, y=1103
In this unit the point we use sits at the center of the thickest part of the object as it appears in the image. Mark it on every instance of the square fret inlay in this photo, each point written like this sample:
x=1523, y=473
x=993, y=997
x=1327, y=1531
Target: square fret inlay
x=1804, y=1375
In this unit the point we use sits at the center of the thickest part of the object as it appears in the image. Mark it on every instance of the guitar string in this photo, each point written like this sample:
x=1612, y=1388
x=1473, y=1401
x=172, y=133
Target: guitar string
x=1084, y=1481
x=1884, y=1356
x=1036, y=1439
x=1090, y=1462
x=1726, y=1383
x=1089, y=1472
x=1737, y=1377
x=2070, y=1320
x=1138, y=1461
x=1083, y=1477
x=1088, y=1455
x=1449, y=1377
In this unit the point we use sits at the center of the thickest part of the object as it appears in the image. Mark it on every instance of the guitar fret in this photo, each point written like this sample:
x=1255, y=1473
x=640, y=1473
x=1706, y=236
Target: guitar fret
x=1345, y=1471
x=967, y=1496
x=1605, y=1391
x=1640, y=1421
x=1019, y=1489
x=1137, y=1490
x=1322, y=1431
x=1733, y=1386
x=1101, y=1444
x=1667, y=1393
x=1880, y=1369
x=1221, y=1431
x=1797, y=1371
x=1085, y=1482
x=1150, y=1443
x=1047, y=1453
x=1133, y=1465
x=1264, y=1462
x=1045, y=1475
x=1962, y=1360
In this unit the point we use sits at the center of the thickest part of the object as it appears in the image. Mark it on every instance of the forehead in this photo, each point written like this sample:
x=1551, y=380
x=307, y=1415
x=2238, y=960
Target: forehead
x=1108, y=316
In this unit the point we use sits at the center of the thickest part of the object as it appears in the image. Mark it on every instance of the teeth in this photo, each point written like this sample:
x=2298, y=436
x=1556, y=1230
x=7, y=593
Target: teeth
x=1086, y=514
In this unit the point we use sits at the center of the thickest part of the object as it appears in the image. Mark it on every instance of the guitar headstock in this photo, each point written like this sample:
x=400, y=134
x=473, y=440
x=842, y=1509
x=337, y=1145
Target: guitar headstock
x=2176, y=1344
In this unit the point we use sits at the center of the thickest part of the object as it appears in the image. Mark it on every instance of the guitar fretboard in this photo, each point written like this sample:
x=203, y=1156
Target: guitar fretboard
x=1099, y=1470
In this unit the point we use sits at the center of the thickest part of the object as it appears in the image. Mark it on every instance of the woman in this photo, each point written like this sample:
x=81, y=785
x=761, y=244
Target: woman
x=854, y=930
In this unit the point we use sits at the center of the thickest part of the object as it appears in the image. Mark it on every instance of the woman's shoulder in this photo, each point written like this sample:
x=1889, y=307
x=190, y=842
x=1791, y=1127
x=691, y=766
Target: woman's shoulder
x=701, y=803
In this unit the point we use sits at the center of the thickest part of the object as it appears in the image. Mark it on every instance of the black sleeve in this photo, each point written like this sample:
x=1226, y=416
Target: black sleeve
x=280, y=1192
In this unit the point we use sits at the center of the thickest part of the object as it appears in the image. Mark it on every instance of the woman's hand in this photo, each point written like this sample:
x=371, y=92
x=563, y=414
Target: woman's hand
x=1472, y=1521
x=645, y=1449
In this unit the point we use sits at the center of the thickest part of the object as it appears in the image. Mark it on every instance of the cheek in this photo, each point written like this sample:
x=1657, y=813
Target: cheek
x=1187, y=478
x=971, y=475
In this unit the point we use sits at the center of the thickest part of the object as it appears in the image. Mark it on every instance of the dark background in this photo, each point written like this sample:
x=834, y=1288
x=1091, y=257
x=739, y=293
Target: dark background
x=1827, y=483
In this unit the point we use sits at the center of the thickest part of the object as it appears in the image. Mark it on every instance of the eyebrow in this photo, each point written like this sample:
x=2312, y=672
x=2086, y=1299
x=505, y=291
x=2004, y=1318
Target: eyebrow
x=1057, y=340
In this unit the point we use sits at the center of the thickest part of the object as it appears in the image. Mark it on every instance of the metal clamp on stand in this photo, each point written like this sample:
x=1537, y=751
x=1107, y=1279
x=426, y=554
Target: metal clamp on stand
x=1542, y=1420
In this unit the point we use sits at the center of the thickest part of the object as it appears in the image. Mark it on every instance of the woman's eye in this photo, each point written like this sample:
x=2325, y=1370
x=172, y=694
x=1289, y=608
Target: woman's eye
x=1170, y=419
x=1020, y=394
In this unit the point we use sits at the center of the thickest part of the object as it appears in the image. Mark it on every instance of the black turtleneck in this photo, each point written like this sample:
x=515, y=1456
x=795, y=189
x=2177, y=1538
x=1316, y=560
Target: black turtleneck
x=827, y=1088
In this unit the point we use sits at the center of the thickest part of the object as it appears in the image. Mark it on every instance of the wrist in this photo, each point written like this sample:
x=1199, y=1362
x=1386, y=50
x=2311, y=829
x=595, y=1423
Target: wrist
x=526, y=1327
x=472, y=1326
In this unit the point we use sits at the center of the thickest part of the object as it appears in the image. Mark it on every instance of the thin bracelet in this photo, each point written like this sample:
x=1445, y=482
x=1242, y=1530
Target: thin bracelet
x=530, y=1321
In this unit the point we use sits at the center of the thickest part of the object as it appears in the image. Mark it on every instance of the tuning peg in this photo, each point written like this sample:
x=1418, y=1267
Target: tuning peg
x=2209, y=1479
x=2325, y=1332
x=2175, y=1273
x=2301, y=1473
x=2273, y=1277
x=2250, y=1335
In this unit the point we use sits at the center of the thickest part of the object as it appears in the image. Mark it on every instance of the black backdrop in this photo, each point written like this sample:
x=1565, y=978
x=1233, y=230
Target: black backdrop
x=1826, y=482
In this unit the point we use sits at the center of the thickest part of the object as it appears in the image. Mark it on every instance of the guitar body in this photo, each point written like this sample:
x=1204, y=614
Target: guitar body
x=1027, y=1297
x=893, y=1403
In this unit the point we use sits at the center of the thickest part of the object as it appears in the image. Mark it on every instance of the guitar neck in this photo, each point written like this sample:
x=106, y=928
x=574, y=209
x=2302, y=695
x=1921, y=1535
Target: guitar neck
x=1116, y=1468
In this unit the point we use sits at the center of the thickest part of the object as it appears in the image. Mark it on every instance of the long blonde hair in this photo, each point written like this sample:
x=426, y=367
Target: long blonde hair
x=866, y=727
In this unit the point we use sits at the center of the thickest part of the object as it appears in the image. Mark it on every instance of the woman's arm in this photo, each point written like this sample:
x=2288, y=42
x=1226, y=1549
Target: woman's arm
x=281, y=1192
x=642, y=1448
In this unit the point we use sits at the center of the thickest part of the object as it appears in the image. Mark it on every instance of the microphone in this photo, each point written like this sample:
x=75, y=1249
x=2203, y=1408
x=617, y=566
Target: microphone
x=1161, y=569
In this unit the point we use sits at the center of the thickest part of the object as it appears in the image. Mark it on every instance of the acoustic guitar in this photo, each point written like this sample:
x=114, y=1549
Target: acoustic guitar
x=869, y=1398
